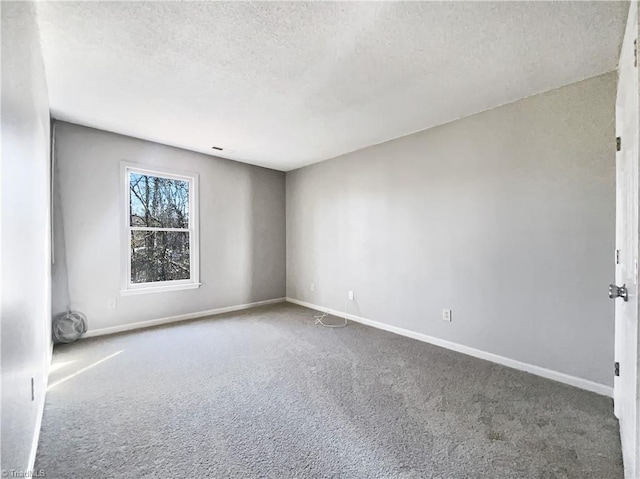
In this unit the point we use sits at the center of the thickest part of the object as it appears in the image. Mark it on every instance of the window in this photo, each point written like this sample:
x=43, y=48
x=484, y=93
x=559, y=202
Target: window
x=160, y=240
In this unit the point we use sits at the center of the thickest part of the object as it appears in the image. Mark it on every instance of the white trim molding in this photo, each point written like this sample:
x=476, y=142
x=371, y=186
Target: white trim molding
x=177, y=318
x=476, y=353
x=159, y=289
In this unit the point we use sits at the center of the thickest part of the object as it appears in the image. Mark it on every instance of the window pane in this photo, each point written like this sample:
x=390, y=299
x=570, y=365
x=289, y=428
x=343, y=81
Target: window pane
x=159, y=256
x=158, y=202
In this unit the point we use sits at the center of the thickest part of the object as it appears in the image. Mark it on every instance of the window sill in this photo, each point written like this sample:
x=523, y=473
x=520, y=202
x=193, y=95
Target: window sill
x=158, y=289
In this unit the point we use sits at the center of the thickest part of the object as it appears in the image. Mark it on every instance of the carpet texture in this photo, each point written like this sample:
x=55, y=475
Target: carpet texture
x=267, y=393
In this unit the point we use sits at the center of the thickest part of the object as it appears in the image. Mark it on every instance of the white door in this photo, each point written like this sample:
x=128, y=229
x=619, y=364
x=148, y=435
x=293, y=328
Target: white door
x=626, y=317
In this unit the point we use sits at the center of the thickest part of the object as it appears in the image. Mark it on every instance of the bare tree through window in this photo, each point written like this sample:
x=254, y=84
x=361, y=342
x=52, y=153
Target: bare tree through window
x=159, y=226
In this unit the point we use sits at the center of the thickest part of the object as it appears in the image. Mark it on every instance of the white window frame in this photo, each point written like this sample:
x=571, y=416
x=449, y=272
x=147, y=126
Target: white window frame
x=129, y=288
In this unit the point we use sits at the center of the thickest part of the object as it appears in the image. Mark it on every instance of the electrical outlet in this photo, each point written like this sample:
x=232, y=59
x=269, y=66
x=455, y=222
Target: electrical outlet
x=446, y=315
x=111, y=303
x=351, y=295
x=313, y=286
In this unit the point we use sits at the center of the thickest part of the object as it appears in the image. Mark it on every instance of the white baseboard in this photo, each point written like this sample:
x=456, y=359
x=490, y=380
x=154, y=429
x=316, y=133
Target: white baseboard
x=477, y=353
x=180, y=317
x=41, y=403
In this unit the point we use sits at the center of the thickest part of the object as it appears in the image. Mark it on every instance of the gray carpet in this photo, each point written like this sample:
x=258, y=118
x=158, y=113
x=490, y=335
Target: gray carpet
x=266, y=393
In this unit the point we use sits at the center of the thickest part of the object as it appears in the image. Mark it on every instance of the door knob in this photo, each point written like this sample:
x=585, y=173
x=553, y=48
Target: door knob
x=618, y=292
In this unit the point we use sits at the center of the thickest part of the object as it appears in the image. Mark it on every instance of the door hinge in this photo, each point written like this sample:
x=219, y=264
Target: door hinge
x=617, y=256
x=618, y=143
x=635, y=52
x=616, y=368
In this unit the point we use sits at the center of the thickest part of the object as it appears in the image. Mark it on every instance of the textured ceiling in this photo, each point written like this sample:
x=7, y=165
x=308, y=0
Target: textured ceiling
x=285, y=84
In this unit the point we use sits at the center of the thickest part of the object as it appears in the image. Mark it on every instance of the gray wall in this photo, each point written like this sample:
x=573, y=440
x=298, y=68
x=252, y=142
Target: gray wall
x=26, y=283
x=242, y=228
x=59, y=282
x=506, y=217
